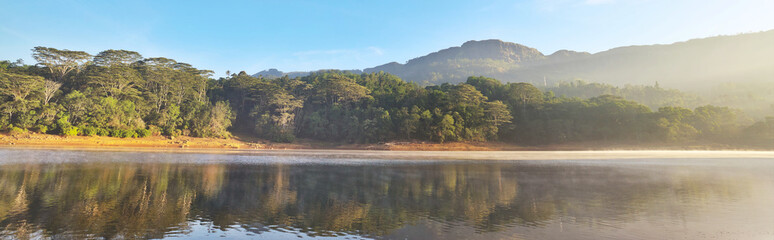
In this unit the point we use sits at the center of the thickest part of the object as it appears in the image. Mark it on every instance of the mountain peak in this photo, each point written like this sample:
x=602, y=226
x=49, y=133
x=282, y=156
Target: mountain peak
x=494, y=49
x=270, y=73
x=568, y=53
x=491, y=43
x=496, y=53
x=488, y=41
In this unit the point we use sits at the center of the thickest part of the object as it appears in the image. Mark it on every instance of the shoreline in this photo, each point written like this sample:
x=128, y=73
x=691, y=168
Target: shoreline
x=160, y=143
x=387, y=156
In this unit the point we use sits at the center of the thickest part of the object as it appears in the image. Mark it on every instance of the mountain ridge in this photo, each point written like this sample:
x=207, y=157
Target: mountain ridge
x=685, y=64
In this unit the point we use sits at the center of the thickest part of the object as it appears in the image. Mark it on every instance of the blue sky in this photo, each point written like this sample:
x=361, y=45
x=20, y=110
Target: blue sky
x=309, y=35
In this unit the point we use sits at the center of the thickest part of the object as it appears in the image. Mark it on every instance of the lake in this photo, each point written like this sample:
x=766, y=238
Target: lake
x=54, y=193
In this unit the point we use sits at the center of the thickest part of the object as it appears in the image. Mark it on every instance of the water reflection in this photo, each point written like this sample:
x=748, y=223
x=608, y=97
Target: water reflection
x=436, y=200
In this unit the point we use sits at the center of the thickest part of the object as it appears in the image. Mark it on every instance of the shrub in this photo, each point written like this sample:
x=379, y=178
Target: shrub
x=16, y=131
x=26, y=120
x=143, y=133
x=87, y=131
x=284, y=137
x=116, y=132
x=5, y=123
x=102, y=132
x=63, y=123
x=70, y=131
x=41, y=129
x=121, y=133
x=154, y=130
x=129, y=134
x=172, y=132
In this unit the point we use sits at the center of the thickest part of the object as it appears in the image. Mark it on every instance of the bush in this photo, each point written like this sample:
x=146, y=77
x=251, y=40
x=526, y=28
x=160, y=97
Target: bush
x=121, y=133
x=154, y=130
x=16, y=131
x=172, y=132
x=284, y=137
x=87, y=131
x=143, y=133
x=116, y=132
x=129, y=134
x=63, y=123
x=5, y=124
x=102, y=132
x=70, y=131
x=41, y=129
x=26, y=120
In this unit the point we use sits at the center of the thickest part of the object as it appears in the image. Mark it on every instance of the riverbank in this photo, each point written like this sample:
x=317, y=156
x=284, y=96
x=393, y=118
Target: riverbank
x=183, y=142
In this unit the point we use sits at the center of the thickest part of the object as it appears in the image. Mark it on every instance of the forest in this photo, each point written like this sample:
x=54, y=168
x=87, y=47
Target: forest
x=120, y=93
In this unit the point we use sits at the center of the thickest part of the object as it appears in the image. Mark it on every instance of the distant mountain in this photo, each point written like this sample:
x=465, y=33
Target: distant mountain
x=473, y=58
x=698, y=64
x=270, y=73
x=687, y=65
x=274, y=73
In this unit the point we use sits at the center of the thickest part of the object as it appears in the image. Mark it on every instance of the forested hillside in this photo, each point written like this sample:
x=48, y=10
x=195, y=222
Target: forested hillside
x=122, y=94
x=653, y=96
x=732, y=71
x=755, y=99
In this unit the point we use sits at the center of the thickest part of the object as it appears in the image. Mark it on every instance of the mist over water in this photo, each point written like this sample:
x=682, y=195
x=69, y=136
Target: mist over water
x=197, y=195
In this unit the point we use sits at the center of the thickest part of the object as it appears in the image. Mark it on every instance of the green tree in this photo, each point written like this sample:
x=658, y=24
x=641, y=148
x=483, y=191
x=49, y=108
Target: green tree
x=59, y=64
x=489, y=87
x=336, y=88
x=77, y=106
x=675, y=123
x=111, y=58
x=497, y=114
x=213, y=121
x=19, y=87
x=116, y=81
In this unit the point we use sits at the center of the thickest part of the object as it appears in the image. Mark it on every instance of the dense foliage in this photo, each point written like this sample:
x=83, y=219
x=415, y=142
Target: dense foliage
x=115, y=93
x=119, y=93
x=652, y=96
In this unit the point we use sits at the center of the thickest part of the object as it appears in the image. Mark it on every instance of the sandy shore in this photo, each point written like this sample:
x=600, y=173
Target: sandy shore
x=245, y=143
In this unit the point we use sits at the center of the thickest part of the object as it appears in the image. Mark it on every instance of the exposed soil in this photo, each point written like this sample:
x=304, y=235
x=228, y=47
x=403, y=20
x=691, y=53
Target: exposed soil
x=34, y=139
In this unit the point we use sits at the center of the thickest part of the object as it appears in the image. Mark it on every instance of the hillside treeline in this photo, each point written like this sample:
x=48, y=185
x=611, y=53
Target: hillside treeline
x=116, y=92
x=120, y=93
x=753, y=98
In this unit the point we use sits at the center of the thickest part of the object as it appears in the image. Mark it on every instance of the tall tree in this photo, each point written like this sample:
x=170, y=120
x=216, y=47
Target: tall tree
x=337, y=88
x=112, y=57
x=497, y=114
x=467, y=94
x=116, y=81
x=49, y=89
x=59, y=63
x=19, y=86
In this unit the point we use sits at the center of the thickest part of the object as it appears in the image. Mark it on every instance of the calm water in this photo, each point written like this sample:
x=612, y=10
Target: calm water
x=290, y=195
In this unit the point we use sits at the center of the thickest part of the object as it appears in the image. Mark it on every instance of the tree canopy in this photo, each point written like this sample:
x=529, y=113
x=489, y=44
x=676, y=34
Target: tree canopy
x=121, y=93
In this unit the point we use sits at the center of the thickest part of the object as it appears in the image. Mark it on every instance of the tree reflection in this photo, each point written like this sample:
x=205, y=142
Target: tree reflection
x=152, y=200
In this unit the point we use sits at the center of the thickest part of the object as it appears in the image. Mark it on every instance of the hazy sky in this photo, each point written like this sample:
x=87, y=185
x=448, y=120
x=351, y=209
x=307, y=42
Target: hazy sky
x=310, y=35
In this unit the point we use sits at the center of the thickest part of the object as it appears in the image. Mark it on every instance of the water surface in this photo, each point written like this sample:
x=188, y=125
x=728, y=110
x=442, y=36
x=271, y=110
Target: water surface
x=357, y=195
